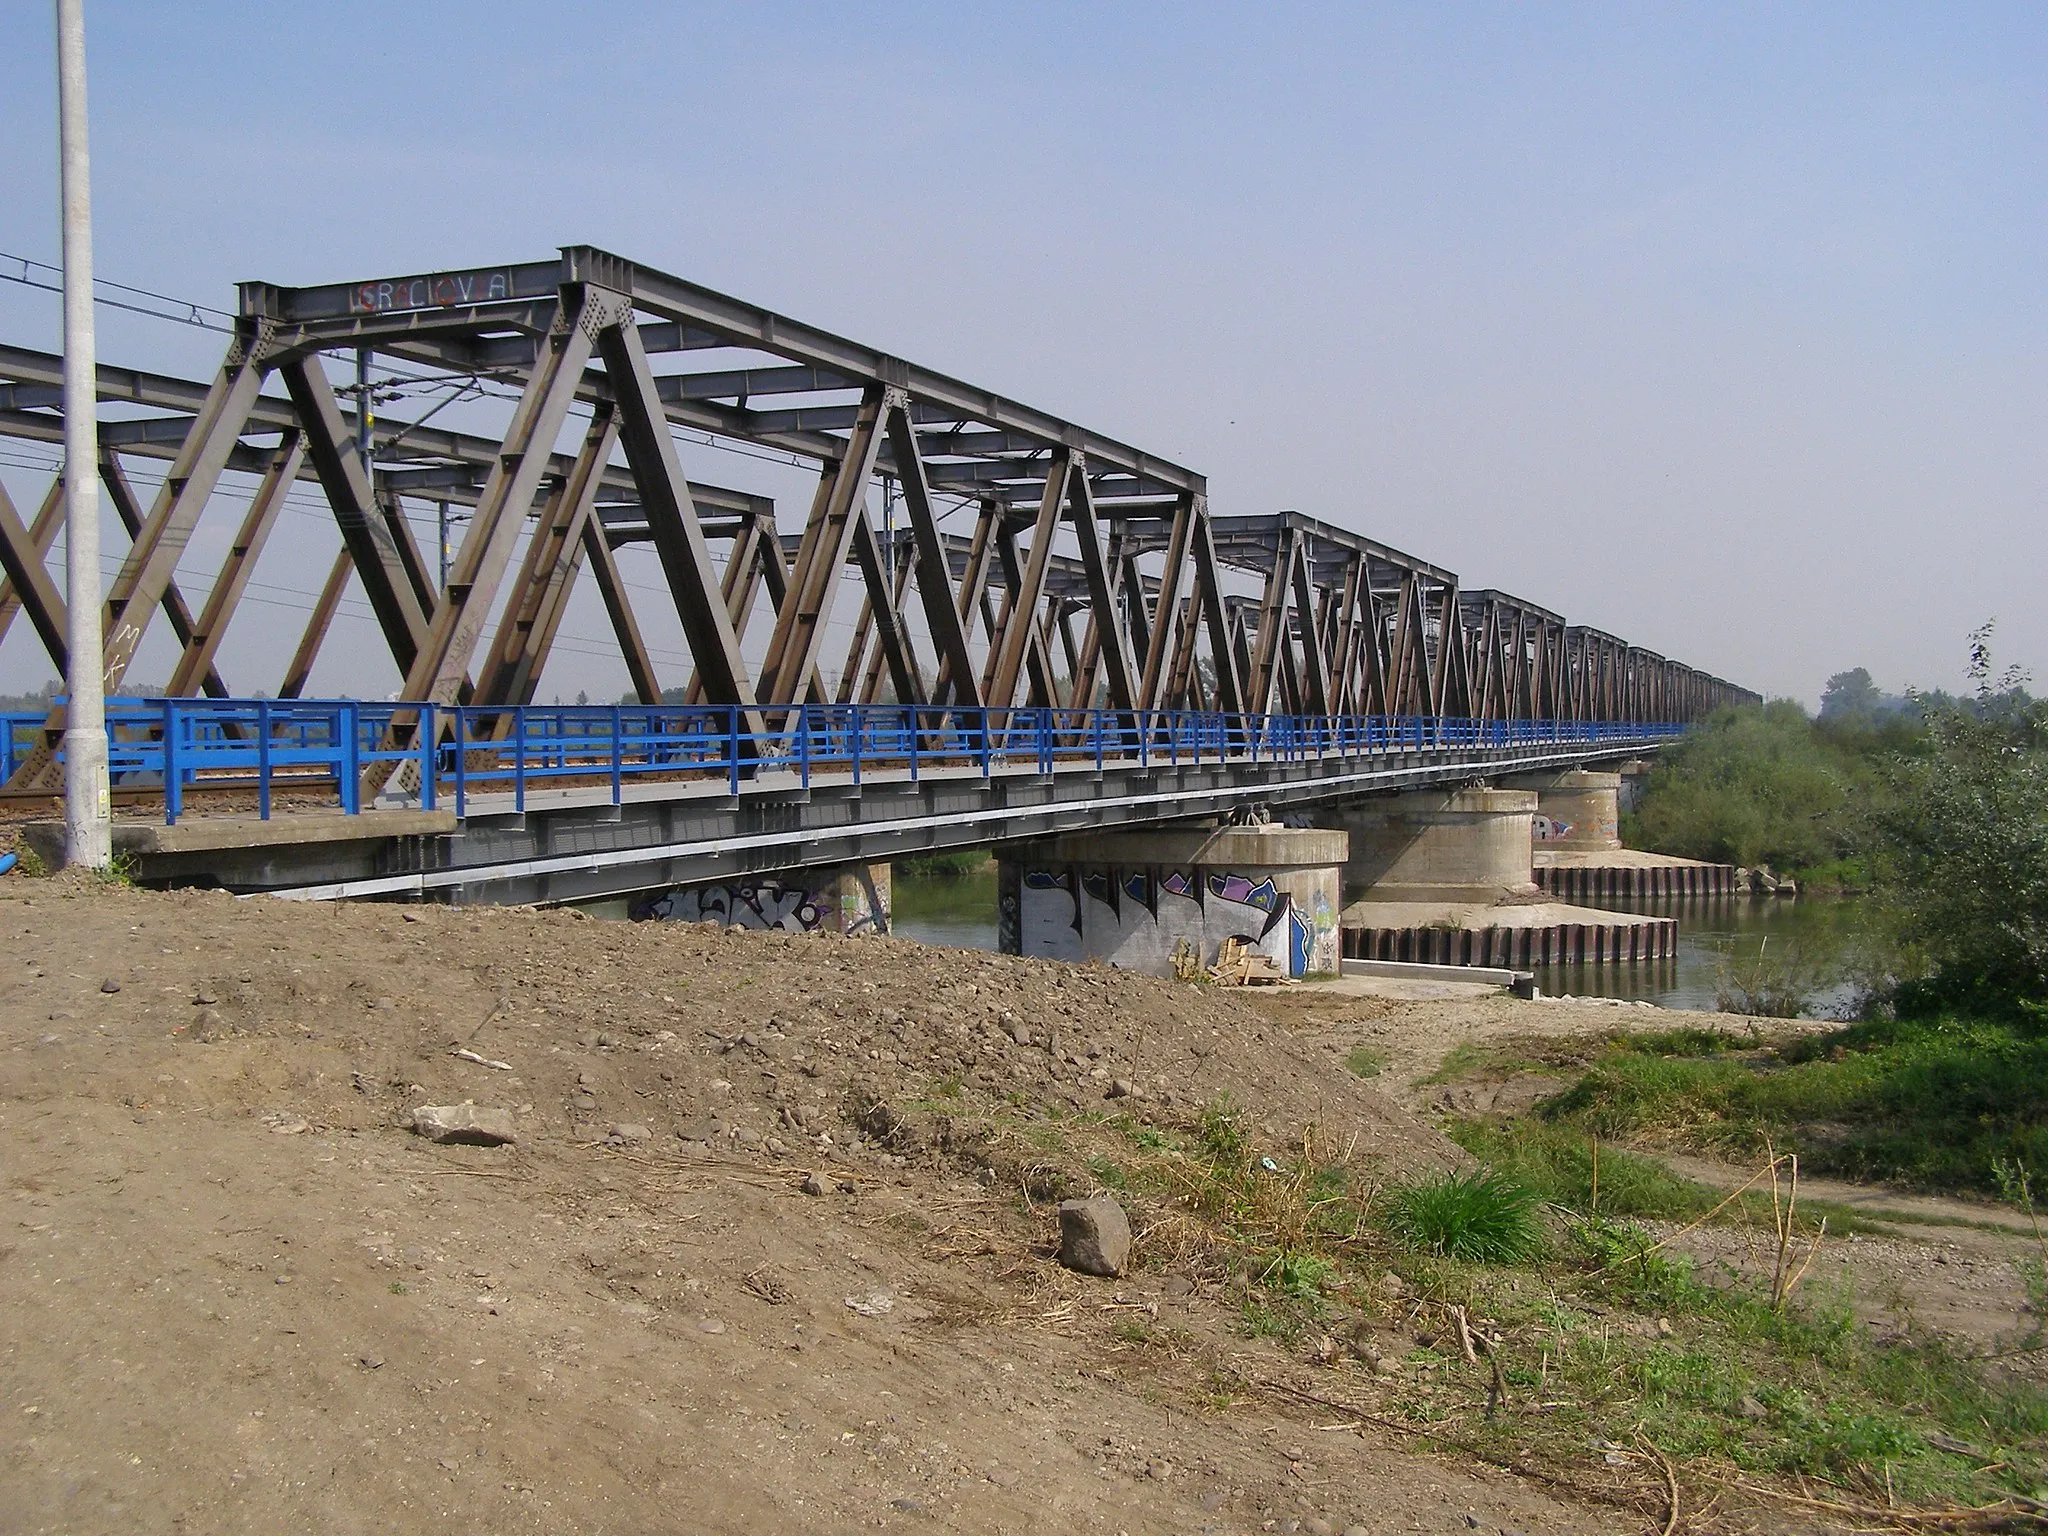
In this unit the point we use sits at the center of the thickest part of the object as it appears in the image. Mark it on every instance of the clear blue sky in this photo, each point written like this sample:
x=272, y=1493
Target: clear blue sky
x=1720, y=327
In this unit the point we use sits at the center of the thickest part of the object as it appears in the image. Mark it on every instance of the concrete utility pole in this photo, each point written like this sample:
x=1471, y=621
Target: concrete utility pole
x=88, y=836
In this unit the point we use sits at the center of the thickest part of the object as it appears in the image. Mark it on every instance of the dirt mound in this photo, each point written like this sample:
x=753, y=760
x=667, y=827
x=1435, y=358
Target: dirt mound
x=235, y=1293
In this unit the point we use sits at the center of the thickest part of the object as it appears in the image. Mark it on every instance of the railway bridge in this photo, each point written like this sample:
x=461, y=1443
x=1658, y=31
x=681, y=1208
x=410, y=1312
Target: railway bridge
x=1052, y=632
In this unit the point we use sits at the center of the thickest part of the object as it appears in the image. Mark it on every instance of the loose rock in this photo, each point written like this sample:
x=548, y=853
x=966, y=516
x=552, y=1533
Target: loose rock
x=464, y=1124
x=1095, y=1236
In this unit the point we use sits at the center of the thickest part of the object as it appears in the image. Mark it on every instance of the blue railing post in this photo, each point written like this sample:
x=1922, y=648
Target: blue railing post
x=461, y=762
x=519, y=760
x=351, y=760
x=618, y=760
x=430, y=730
x=173, y=799
x=732, y=736
x=263, y=759
x=803, y=745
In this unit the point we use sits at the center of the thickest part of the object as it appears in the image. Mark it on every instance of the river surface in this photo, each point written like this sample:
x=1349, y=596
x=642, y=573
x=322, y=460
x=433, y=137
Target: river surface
x=1813, y=941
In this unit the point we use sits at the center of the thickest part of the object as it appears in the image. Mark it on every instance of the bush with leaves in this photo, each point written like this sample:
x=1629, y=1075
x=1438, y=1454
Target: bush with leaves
x=1754, y=785
x=1958, y=849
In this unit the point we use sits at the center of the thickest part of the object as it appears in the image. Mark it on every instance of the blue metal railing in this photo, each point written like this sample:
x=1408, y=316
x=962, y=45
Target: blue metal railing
x=429, y=755
x=17, y=740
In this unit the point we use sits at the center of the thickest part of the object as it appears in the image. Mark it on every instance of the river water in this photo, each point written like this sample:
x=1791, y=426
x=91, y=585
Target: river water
x=1814, y=940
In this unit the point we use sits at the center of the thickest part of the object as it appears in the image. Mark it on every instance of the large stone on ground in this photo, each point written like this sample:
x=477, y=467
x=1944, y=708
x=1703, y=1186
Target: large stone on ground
x=1095, y=1236
x=465, y=1124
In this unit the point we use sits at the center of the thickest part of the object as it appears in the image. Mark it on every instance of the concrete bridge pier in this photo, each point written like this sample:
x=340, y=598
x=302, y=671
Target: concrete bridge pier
x=1579, y=853
x=1575, y=809
x=1135, y=898
x=1448, y=877
x=1435, y=845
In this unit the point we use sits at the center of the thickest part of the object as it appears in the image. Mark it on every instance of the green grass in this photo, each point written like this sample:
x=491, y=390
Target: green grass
x=1563, y=1167
x=1934, y=1105
x=1480, y=1217
x=1365, y=1061
x=1293, y=1236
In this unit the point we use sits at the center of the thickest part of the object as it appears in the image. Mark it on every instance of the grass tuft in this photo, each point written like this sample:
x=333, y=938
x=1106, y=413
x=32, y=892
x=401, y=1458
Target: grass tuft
x=1364, y=1061
x=1482, y=1217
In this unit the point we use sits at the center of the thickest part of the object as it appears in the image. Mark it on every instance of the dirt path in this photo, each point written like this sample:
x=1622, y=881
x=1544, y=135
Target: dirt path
x=236, y=1296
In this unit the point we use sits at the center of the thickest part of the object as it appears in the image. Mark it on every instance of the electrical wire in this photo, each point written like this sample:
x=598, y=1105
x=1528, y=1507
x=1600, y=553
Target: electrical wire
x=194, y=312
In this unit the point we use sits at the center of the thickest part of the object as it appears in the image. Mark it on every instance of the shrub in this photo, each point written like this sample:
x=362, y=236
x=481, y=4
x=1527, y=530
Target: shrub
x=1482, y=1217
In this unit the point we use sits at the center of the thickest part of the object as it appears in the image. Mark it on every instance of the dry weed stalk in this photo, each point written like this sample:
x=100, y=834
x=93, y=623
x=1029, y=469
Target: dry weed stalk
x=1785, y=1277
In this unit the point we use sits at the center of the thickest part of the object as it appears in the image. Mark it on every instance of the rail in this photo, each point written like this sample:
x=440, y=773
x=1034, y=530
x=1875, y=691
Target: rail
x=352, y=752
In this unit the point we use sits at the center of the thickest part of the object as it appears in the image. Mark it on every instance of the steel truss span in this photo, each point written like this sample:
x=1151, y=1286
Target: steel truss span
x=1096, y=583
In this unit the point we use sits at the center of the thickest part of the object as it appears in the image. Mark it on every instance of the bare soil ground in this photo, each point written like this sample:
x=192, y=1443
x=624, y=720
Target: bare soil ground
x=235, y=1295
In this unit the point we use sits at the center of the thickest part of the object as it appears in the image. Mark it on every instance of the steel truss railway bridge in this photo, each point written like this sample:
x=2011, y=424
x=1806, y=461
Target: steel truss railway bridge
x=1103, y=648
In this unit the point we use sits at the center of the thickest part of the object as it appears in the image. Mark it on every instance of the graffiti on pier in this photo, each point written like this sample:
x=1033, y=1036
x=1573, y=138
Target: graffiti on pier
x=1549, y=829
x=845, y=902
x=760, y=904
x=1240, y=890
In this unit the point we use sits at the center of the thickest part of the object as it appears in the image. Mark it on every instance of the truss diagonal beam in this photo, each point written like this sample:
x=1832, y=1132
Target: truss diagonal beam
x=225, y=595
x=365, y=531
x=42, y=537
x=129, y=511
x=827, y=541
x=934, y=569
x=31, y=586
x=672, y=523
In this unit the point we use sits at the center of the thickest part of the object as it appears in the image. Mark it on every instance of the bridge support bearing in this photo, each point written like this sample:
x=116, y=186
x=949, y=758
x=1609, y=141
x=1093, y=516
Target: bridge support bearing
x=845, y=899
x=1135, y=898
x=1464, y=845
x=1575, y=809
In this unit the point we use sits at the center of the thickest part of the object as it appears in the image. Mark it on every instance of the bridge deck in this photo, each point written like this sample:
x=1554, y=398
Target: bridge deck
x=573, y=803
